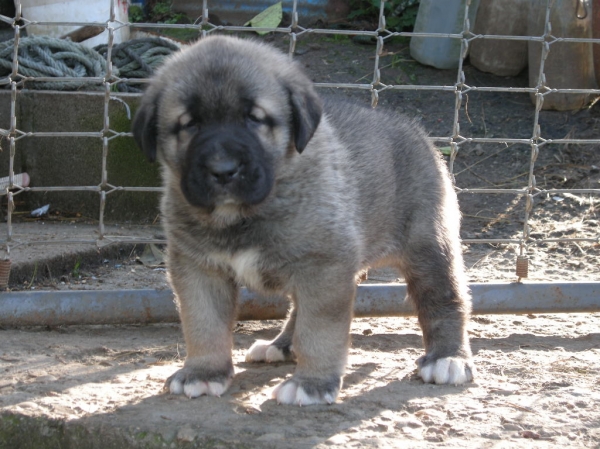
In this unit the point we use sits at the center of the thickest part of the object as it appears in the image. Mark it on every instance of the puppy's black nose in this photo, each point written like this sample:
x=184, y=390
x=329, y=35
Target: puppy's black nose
x=223, y=171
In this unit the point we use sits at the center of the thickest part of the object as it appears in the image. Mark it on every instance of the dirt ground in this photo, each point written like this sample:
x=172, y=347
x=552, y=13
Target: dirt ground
x=539, y=376
x=538, y=386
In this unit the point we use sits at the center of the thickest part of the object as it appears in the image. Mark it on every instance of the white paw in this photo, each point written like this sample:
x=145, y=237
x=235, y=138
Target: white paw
x=274, y=354
x=264, y=351
x=448, y=370
x=199, y=388
x=291, y=393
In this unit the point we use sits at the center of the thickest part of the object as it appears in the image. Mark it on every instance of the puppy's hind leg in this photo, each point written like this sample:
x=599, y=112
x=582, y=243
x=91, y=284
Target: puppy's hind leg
x=437, y=287
x=278, y=350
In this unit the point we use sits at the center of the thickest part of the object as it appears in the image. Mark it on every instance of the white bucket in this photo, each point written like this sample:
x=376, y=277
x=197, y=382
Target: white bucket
x=75, y=11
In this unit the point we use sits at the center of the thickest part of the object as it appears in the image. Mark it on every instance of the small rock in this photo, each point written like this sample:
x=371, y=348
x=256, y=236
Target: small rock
x=168, y=435
x=186, y=434
x=28, y=404
x=367, y=332
x=382, y=427
x=252, y=410
x=413, y=433
x=479, y=417
x=430, y=414
x=7, y=383
x=491, y=436
x=47, y=378
x=409, y=423
x=530, y=434
x=512, y=427
x=337, y=439
x=271, y=437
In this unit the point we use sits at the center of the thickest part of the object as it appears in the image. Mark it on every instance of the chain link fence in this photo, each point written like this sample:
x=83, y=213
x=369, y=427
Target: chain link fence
x=12, y=184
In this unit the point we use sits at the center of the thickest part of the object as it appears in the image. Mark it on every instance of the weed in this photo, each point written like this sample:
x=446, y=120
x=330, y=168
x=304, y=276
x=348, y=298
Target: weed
x=400, y=15
x=136, y=14
x=76, y=268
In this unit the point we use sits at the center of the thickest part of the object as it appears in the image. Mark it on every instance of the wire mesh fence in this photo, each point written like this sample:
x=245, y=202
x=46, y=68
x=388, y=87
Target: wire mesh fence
x=526, y=192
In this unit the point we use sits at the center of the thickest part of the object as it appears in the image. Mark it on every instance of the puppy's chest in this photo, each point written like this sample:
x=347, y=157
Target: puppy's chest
x=249, y=267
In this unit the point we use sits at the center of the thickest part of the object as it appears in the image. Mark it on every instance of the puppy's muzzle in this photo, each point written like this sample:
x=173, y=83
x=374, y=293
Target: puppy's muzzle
x=224, y=165
x=224, y=170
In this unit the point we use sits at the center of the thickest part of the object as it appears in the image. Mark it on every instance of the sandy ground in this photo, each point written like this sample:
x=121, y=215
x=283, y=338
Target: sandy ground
x=538, y=386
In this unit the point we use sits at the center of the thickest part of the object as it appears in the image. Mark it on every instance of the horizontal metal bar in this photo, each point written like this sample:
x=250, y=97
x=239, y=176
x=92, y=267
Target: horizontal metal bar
x=135, y=189
x=573, y=191
x=417, y=87
x=500, y=191
x=92, y=134
x=64, y=23
x=71, y=307
x=492, y=241
x=344, y=86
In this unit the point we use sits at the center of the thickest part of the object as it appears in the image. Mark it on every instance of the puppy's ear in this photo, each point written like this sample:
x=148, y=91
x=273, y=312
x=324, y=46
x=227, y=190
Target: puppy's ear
x=145, y=124
x=307, y=109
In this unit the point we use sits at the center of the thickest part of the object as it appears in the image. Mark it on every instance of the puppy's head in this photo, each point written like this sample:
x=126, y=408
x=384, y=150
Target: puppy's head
x=222, y=116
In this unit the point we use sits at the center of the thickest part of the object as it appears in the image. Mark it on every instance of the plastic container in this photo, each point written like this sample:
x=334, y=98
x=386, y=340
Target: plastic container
x=75, y=11
x=499, y=56
x=440, y=16
x=569, y=65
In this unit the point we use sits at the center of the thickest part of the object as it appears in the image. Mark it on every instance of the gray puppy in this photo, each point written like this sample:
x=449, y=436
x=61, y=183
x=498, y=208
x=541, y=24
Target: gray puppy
x=266, y=187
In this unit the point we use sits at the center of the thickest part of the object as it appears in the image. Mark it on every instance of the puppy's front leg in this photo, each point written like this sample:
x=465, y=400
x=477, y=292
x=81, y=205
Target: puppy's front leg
x=206, y=302
x=321, y=337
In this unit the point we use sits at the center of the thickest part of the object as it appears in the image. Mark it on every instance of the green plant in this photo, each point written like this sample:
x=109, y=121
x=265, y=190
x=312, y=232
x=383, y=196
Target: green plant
x=400, y=15
x=136, y=14
x=75, y=272
x=162, y=9
x=161, y=13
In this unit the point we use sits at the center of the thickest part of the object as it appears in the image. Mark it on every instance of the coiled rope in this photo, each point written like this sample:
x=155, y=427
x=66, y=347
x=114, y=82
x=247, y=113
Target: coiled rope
x=43, y=56
x=47, y=57
x=138, y=58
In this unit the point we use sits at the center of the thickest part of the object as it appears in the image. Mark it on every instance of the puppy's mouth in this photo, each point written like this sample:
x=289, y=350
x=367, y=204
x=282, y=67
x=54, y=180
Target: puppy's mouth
x=226, y=166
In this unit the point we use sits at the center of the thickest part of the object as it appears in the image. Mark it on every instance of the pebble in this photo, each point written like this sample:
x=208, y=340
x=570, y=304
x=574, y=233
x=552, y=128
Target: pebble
x=271, y=437
x=512, y=427
x=479, y=417
x=186, y=434
x=530, y=434
x=409, y=423
x=28, y=404
x=413, y=433
x=436, y=431
x=7, y=383
x=337, y=439
x=47, y=378
x=492, y=436
x=430, y=415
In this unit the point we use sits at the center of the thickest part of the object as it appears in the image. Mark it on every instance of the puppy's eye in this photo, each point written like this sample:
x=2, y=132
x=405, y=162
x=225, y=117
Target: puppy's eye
x=187, y=123
x=257, y=117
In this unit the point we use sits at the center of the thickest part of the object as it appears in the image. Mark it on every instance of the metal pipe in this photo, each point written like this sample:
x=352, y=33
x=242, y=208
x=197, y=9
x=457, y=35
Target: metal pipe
x=70, y=307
